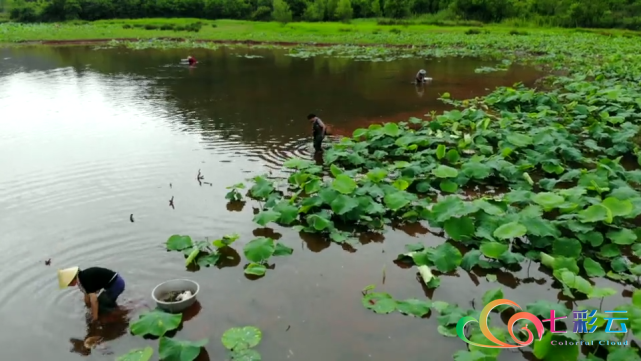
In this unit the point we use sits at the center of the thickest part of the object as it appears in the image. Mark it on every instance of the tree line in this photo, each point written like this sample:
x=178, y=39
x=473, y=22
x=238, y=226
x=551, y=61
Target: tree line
x=565, y=13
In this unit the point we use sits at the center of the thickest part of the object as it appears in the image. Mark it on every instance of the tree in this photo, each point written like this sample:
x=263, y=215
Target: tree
x=281, y=12
x=376, y=8
x=315, y=11
x=344, y=11
x=397, y=8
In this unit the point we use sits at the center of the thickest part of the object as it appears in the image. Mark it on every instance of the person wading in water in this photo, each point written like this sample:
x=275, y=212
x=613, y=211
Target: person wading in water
x=318, y=131
x=91, y=281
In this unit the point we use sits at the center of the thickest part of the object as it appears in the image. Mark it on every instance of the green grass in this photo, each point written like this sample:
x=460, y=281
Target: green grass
x=356, y=32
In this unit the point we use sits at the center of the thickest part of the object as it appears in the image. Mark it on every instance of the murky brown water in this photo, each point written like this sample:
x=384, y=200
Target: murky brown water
x=89, y=137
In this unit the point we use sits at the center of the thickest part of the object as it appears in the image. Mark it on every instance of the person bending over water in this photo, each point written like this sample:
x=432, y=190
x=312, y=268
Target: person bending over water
x=420, y=76
x=91, y=281
x=318, y=132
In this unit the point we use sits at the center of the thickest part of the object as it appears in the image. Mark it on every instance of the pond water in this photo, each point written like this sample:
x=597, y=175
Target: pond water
x=89, y=137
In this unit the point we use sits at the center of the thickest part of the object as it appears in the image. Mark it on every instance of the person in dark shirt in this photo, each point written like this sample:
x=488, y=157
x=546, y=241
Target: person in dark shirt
x=318, y=131
x=191, y=60
x=91, y=281
x=420, y=77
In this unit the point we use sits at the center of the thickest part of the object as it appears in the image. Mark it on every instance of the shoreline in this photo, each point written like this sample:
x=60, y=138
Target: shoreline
x=213, y=41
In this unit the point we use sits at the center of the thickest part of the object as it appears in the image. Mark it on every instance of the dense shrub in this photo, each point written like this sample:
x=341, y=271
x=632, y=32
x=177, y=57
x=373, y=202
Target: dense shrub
x=567, y=13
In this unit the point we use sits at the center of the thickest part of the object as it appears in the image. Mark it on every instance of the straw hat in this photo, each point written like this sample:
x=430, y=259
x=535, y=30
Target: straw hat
x=67, y=275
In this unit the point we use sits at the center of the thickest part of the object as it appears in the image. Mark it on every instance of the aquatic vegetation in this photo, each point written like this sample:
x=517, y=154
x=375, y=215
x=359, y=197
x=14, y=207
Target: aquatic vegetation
x=199, y=253
x=403, y=173
x=139, y=354
x=158, y=323
x=258, y=252
x=155, y=323
x=234, y=193
x=158, y=44
x=519, y=176
x=450, y=316
x=240, y=341
x=170, y=349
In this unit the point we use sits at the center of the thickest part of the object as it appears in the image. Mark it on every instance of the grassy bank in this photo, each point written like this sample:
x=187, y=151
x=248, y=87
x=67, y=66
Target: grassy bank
x=357, y=32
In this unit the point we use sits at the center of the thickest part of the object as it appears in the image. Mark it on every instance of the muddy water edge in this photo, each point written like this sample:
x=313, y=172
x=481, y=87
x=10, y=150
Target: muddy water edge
x=92, y=139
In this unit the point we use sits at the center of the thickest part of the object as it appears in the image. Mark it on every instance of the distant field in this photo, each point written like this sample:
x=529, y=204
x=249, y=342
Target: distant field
x=358, y=31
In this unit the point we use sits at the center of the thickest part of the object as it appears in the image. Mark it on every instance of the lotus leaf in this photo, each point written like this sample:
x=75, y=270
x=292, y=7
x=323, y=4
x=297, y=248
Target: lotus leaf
x=601, y=292
x=226, y=241
x=623, y=236
x=542, y=308
x=567, y=247
x=593, y=268
x=376, y=175
x=493, y=295
x=545, y=350
x=413, y=307
x=428, y=277
x=139, y=354
x=246, y=355
x=297, y=163
x=479, y=338
x=179, y=243
x=379, y=302
x=262, y=188
x=443, y=171
x=256, y=269
x=396, y=201
x=464, y=355
x=265, y=217
x=170, y=349
x=619, y=265
x=493, y=249
x=208, y=260
x=623, y=354
x=287, y=212
x=241, y=338
x=448, y=186
x=259, y=250
x=470, y=259
x=155, y=323
x=618, y=208
x=548, y=200
x=343, y=204
x=459, y=228
x=282, y=250
x=446, y=257
x=510, y=230
x=596, y=213
x=344, y=184
x=319, y=221
x=574, y=281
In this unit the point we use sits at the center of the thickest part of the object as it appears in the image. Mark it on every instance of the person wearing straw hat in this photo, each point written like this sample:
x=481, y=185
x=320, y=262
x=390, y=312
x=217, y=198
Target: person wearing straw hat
x=101, y=287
